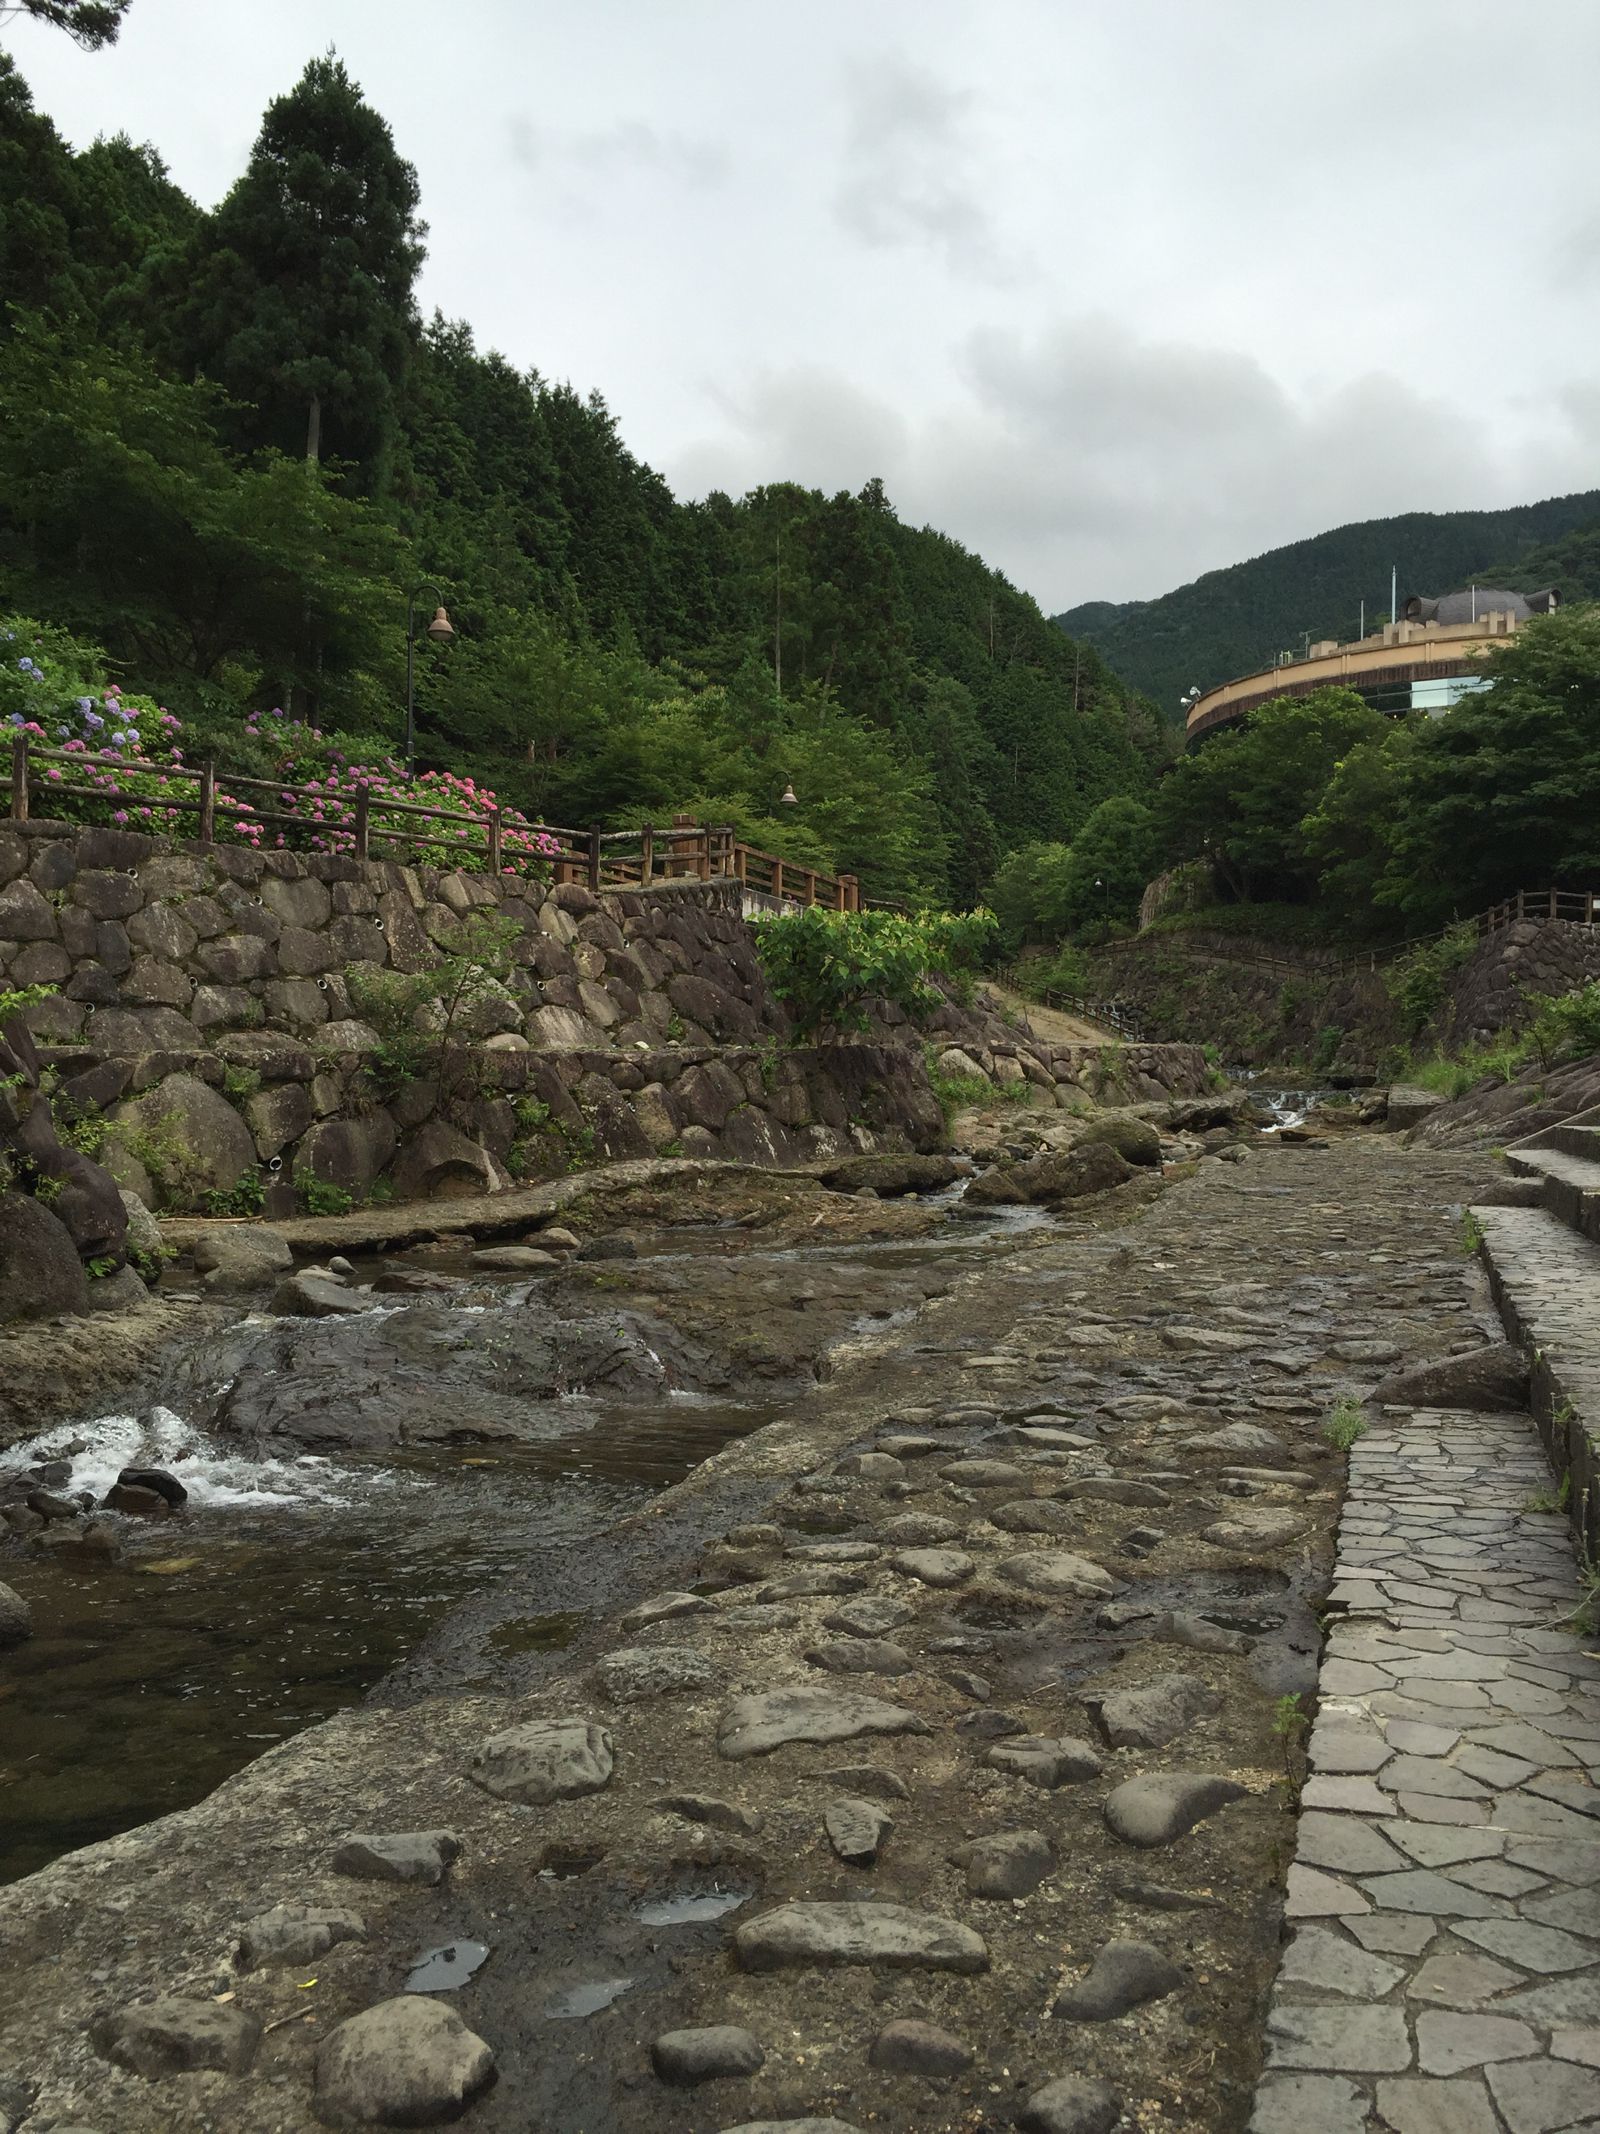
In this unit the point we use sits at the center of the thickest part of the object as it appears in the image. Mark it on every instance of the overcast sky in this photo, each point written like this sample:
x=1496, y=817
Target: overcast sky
x=1114, y=291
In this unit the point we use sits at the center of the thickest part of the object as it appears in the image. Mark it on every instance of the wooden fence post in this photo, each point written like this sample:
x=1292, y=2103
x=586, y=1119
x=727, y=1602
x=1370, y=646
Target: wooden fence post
x=208, y=803
x=777, y=880
x=363, y=825
x=647, y=855
x=19, y=779
x=1553, y=913
x=594, y=857
x=702, y=853
x=495, y=820
x=811, y=887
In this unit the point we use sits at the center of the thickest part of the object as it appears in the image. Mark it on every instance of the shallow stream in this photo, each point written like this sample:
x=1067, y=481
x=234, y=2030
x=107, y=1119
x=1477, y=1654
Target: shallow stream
x=292, y=1583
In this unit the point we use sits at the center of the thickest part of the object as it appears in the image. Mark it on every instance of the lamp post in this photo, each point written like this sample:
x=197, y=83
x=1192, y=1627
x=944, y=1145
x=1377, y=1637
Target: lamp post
x=441, y=632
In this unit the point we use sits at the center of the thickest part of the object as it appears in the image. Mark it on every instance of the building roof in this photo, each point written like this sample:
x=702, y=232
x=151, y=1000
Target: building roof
x=1471, y=605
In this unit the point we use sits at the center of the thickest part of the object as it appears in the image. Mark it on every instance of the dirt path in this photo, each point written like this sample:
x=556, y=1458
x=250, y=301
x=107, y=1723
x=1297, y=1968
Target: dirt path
x=990, y=1631
x=1052, y=1025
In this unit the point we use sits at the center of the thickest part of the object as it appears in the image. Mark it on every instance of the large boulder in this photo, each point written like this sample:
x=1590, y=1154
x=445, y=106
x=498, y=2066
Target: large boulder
x=1055, y=1176
x=202, y=1139
x=1133, y=1138
x=1490, y=1378
x=441, y=1163
x=237, y=1257
x=889, y=1175
x=350, y=1153
x=1409, y=1106
x=40, y=1271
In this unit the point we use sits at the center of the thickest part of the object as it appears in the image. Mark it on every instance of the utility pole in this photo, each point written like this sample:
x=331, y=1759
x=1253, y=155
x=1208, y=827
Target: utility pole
x=777, y=615
x=1394, y=592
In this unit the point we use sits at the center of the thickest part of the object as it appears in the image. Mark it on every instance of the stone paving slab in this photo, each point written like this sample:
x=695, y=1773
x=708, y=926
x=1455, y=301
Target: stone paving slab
x=1443, y=1970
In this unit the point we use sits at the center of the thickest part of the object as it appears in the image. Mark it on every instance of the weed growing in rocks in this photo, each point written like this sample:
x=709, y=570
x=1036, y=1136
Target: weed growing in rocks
x=1345, y=1424
x=322, y=1196
x=159, y=1148
x=246, y=1196
x=419, y=1016
x=1291, y=1725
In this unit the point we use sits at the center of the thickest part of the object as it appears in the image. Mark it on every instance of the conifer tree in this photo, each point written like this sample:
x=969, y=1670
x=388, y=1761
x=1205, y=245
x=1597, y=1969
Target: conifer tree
x=301, y=283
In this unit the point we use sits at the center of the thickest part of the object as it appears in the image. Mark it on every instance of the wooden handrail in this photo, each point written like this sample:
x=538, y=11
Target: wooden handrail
x=596, y=857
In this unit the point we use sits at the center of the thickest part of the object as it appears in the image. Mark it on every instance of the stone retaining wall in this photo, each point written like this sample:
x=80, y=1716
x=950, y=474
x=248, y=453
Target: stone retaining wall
x=207, y=1001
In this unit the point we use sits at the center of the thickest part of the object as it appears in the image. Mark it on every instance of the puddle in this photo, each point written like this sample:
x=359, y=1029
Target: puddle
x=688, y=1911
x=452, y=1964
x=536, y=1633
x=588, y=1999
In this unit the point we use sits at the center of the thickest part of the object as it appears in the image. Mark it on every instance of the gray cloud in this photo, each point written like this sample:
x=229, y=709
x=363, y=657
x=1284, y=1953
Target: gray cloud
x=631, y=147
x=1111, y=294
x=913, y=170
x=1091, y=462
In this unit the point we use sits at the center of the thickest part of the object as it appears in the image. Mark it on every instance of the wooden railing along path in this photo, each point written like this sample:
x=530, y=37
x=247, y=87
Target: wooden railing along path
x=1566, y=907
x=602, y=859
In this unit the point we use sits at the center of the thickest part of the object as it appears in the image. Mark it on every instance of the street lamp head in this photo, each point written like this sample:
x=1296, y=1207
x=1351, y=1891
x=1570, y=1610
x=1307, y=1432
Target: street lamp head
x=440, y=629
x=788, y=798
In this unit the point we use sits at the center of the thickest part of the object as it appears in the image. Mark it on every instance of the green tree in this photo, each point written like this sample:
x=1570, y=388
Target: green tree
x=89, y=23
x=296, y=295
x=1240, y=798
x=1499, y=795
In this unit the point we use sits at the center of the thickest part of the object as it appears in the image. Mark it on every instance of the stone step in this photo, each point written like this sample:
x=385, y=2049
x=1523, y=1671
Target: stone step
x=1577, y=1139
x=1570, y=1182
x=1545, y=1277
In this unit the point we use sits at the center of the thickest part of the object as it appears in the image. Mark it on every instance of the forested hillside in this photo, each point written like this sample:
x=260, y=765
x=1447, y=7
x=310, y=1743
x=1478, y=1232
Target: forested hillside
x=1232, y=621
x=230, y=447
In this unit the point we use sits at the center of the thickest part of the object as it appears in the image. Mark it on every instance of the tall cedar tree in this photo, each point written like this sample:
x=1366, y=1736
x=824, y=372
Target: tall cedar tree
x=299, y=288
x=89, y=23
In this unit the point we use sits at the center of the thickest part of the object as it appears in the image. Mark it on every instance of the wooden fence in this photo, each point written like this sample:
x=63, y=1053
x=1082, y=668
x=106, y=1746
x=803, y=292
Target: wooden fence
x=602, y=859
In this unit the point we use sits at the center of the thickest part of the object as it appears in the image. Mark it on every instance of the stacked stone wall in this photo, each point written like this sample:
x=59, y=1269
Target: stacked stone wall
x=207, y=999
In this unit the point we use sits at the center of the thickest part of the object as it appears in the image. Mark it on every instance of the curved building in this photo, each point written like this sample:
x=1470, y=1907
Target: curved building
x=1424, y=661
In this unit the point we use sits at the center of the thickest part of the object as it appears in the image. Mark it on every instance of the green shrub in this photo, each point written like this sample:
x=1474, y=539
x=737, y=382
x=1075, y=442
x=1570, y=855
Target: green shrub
x=1345, y=1424
x=828, y=967
x=247, y=1196
x=1565, y=1026
x=322, y=1196
x=1419, y=982
x=1062, y=976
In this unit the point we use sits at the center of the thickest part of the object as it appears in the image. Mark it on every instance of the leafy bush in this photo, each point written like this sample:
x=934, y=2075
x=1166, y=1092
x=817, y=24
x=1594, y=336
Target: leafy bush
x=829, y=967
x=418, y=1014
x=246, y=1197
x=322, y=1196
x=1065, y=975
x=1419, y=982
x=1566, y=1025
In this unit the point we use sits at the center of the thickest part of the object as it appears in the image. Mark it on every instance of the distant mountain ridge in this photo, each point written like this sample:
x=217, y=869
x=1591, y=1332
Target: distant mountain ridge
x=1232, y=621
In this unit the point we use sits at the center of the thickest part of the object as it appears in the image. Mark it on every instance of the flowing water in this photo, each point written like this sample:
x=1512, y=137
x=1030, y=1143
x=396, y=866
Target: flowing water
x=291, y=1584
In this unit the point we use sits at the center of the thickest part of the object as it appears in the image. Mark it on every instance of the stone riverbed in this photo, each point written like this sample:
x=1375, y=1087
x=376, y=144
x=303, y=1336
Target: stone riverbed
x=910, y=1764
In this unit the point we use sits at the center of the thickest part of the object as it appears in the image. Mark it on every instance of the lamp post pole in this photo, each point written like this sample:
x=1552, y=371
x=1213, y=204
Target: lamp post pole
x=441, y=632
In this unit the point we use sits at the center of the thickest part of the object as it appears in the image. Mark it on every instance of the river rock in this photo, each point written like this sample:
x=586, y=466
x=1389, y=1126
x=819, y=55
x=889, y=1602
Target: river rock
x=1053, y=1574
x=172, y=2036
x=1046, y=1761
x=635, y=1672
x=793, y=2126
x=513, y=1259
x=918, y=1530
x=315, y=1295
x=874, y=1779
x=934, y=1567
x=1011, y=1864
x=545, y=1760
x=893, y=1936
x=296, y=1934
x=685, y=2057
x=397, y=1856
x=1155, y=1713
x=40, y=1271
x=704, y=1808
x=1159, y=1806
x=1118, y=1489
x=239, y=1258
x=1494, y=1377
x=856, y=1830
x=984, y=1474
x=868, y=1617
x=1409, y=1106
x=156, y=1478
x=408, y=2062
x=807, y=1585
x=1265, y=1529
x=662, y=1607
x=129, y=1498
x=1035, y=1515
x=1249, y=1439
x=911, y=2047
x=1072, y=2105
x=1124, y=1975
x=16, y=1617
x=860, y=1656
x=757, y=1724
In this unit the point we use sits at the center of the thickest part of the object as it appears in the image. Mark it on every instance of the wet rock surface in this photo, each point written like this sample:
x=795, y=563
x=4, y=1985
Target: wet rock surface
x=697, y=1887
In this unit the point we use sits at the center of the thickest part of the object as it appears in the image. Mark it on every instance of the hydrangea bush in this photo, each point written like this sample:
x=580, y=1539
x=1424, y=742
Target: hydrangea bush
x=128, y=753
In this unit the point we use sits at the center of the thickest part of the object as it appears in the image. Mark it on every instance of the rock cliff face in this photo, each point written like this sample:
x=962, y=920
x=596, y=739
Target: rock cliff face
x=210, y=1003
